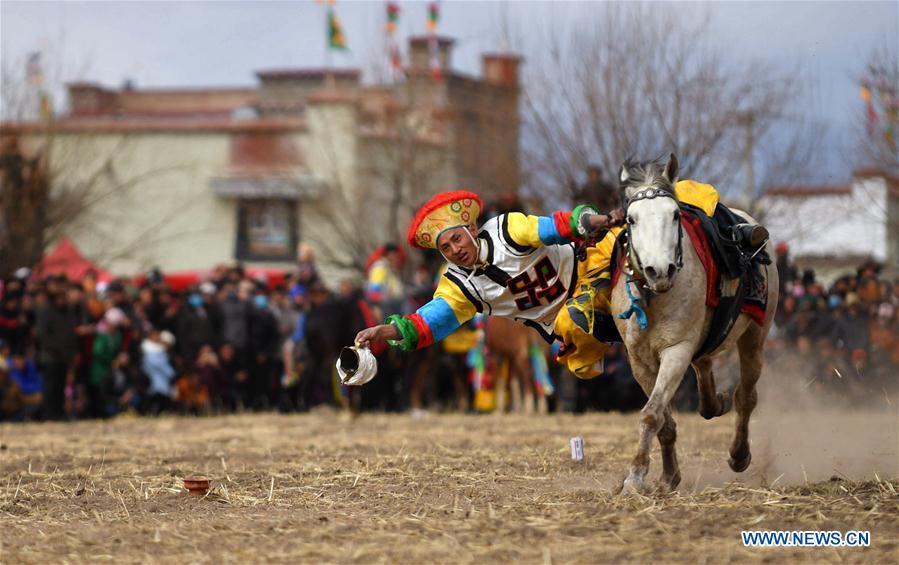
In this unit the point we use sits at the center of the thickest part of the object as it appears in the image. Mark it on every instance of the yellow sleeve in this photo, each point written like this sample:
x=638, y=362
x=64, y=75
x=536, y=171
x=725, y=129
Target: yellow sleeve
x=703, y=196
x=462, y=307
x=525, y=229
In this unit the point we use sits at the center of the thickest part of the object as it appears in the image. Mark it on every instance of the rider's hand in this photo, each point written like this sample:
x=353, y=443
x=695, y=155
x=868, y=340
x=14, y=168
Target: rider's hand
x=377, y=333
x=616, y=217
x=599, y=222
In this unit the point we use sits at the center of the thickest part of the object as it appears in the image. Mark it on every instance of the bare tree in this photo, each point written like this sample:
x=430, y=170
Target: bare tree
x=55, y=177
x=644, y=80
x=877, y=139
x=401, y=157
x=23, y=83
x=24, y=195
x=53, y=183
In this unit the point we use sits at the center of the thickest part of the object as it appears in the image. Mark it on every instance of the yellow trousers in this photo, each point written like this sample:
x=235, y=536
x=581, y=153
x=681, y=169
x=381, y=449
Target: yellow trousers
x=581, y=351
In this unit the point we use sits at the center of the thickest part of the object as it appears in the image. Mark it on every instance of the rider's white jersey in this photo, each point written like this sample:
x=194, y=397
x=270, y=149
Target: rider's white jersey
x=528, y=284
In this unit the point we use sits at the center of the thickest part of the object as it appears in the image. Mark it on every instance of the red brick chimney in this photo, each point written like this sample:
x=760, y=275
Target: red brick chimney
x=420, y=56
x=91, y=99
x=500, y=70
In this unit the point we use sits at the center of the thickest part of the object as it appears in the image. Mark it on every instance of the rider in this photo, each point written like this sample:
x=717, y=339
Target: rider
x=522, y=267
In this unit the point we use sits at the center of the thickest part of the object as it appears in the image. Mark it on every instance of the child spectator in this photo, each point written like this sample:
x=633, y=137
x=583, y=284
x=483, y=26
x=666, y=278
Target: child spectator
x=191, y=394
x=212, y=376
x=11, y=401
x=107, y=344
x=126, y=383
x=24, y=373
x=235, y=376
x=158, y=369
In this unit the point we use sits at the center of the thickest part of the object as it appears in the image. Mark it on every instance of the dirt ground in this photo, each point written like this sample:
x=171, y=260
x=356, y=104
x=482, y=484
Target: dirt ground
x=446, y=488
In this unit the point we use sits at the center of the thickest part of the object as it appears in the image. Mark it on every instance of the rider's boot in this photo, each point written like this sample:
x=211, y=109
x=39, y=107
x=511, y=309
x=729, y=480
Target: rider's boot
x=750, y=236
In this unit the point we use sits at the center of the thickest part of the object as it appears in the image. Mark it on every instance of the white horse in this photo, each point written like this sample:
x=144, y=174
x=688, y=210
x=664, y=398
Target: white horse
x=678, y=323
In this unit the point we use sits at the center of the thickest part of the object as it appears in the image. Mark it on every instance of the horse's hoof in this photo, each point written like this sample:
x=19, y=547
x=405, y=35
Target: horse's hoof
x=632, y=487
x=725, y=401
x=668, y=484
x=738, y=466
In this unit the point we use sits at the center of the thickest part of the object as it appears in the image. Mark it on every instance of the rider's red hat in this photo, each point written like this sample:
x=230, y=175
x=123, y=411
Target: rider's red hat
x=444, y=211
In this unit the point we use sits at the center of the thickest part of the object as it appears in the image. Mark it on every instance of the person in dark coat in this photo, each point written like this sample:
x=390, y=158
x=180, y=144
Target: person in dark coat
x=263, y=345
x=57, y=347
x=851, y=331
x=324, y=332
x=195, y=328
x=213, y=310
x=13, y=319
x=597, y=191
x=236, y=309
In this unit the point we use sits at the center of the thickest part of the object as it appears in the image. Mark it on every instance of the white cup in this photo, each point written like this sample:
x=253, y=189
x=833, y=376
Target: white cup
x=356, y=366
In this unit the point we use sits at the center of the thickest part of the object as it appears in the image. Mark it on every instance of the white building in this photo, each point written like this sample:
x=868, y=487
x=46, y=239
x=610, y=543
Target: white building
x=188, y=178
x=835, y=228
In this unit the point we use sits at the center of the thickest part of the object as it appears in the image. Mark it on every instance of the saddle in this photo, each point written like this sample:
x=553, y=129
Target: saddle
x=735, y=283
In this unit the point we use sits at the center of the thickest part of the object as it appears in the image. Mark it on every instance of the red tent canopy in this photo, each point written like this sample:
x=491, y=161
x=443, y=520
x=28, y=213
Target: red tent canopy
x=66, y=259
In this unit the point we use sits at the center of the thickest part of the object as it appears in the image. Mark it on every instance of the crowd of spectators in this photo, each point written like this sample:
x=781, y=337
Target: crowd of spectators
x=842, y=336
x=80, y=348
x=84, y=349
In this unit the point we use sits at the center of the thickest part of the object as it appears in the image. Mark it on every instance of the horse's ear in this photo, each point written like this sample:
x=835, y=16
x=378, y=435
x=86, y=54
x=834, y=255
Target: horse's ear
x=671, y=169
x=623, y=174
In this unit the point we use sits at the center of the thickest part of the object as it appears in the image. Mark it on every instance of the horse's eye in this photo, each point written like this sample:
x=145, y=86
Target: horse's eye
x=676, y=215
x=630, y=220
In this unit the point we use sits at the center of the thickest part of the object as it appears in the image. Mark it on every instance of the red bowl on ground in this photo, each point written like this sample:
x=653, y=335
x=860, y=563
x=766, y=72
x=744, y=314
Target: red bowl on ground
x=196, y=486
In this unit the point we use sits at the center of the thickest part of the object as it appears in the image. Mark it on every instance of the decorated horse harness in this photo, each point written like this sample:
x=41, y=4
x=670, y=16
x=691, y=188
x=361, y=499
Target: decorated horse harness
x=634, y=267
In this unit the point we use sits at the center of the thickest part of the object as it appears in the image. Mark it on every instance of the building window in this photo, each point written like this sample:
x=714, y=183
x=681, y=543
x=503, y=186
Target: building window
x=266, y=230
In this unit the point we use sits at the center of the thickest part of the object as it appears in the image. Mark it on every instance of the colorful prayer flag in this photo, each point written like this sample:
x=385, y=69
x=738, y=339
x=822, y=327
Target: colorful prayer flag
x=393, y=17
x=433, y=43
x=396, y=64
x=433, y=16
x=336, y=39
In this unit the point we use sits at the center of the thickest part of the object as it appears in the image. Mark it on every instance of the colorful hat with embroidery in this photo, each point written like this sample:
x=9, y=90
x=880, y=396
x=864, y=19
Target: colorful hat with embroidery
x=442, y=212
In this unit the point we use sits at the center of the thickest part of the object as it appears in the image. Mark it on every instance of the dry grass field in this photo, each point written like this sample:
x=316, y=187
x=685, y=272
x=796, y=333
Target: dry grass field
x=321, y=488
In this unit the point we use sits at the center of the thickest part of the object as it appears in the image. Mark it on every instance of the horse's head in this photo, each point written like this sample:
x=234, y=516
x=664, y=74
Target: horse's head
x=653, y=220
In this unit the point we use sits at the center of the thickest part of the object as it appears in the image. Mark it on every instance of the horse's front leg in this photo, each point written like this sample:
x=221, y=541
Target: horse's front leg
x=711, y=402
x=667, y=439
x=673, y=364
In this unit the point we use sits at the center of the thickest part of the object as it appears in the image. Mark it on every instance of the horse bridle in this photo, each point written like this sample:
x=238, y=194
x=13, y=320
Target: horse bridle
x=633, y=256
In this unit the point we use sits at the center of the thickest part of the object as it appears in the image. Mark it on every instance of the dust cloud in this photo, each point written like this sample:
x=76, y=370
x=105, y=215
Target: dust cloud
x=805, y=431
x=813, y=433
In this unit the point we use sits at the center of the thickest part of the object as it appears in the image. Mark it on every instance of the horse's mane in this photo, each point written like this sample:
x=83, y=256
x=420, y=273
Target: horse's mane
x=644, y=174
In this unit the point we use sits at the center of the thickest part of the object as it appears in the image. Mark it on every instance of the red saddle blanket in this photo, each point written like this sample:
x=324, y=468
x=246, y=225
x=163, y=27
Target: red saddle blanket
x=699, y=239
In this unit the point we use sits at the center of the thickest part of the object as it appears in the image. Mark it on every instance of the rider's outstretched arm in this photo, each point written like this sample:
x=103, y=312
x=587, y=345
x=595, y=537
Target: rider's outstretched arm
x=441, y=316
x=561, y=228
